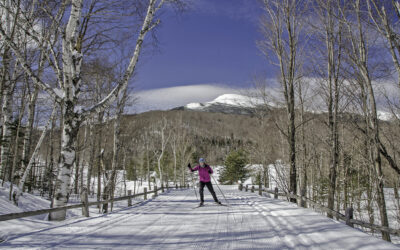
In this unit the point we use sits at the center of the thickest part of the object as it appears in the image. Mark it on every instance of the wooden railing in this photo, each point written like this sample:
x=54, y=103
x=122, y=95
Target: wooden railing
x=86, y=204
x=347, y=217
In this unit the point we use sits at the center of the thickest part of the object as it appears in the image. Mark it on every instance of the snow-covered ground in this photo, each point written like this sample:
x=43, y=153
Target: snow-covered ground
x=170, y=221
x=13, y=228
x=30, y=202
x=27, y=202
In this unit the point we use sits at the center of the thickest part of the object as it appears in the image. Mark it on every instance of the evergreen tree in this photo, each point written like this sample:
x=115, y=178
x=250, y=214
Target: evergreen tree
x=234, y=169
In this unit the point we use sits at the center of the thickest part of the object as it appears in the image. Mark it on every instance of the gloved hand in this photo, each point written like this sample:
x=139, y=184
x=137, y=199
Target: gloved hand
x=189, y=166
x=209, y=171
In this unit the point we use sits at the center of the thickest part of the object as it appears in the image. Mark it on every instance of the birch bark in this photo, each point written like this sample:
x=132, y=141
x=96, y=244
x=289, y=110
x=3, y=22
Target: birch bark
x=69, y=77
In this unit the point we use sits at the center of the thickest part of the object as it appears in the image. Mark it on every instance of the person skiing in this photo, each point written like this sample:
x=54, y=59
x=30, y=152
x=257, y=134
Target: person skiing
x=205, y=180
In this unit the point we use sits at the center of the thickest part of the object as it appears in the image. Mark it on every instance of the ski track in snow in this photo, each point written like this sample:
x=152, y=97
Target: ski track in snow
x=170, y=222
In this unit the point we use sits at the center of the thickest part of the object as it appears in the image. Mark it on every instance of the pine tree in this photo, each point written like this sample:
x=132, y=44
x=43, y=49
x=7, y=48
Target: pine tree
x=235, y=167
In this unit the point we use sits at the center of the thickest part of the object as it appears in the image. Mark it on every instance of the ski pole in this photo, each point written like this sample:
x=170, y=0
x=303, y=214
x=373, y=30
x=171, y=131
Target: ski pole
x=220, y=189
x=194, y=187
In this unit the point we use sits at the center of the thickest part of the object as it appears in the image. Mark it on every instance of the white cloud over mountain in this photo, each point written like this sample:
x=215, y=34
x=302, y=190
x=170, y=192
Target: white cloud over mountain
x=167, y=98
x=199, y=96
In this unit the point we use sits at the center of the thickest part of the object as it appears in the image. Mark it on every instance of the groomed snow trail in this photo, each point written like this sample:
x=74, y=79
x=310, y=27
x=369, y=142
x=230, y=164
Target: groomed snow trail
x=171, y=222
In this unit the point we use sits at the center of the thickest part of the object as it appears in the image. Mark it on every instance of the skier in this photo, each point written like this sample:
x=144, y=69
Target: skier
x=205, y=180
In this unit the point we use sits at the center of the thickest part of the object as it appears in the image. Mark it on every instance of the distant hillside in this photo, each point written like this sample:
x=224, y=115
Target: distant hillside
x=213, y=134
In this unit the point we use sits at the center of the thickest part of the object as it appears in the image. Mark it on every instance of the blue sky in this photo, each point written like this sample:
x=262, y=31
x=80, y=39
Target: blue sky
x=213, y=42
x=207, y=51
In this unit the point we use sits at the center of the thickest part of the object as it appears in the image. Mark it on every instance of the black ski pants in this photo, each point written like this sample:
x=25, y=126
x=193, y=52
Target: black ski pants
x=210, y=188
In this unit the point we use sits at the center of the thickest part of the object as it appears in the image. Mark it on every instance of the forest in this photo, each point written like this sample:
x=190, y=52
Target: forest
x=67, y=71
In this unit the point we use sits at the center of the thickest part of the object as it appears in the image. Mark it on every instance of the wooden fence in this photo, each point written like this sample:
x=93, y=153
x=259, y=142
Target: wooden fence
x=86, y=204
x=347, y=217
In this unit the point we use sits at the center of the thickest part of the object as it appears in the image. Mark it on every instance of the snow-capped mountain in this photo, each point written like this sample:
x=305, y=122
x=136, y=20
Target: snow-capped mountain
x=227, y=103
x=245, y=105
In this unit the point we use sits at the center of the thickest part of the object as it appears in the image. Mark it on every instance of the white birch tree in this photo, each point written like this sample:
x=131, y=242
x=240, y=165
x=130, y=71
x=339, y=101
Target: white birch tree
x=162, y=134
x=68, y=74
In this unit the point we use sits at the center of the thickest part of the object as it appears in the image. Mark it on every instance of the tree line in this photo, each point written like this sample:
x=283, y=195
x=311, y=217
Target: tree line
x=45, y=45
x=343, y=51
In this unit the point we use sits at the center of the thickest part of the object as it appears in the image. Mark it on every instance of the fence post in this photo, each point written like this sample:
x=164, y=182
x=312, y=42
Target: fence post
x=240, y=186
x=85, y=201
x=167, y=186
x=155, y=190
x=276, y=193
x=176, y=186
x=349, y=216
x=129, y=198
x=145, y=193
x=247, y=187
x=162, y=187
x=252, y=189
x=260, y=188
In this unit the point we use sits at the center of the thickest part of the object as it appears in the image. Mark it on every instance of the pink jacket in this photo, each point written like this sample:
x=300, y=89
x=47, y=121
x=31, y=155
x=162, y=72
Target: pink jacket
x=204, y=173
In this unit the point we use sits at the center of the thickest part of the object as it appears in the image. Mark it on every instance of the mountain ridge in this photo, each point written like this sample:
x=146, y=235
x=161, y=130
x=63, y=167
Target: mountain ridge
x=246, y=105
x=226, y=103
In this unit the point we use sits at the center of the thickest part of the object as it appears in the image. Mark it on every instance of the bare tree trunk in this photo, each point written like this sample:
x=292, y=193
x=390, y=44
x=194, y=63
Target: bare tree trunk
x=332, y=29
x=31, y=161
x=303, y=178
x=281, y=29
x=110, y=185
x=92, y=148
x=124, y=169
x=175, y=163
x=359, y=48
x=62, y=187
x=147, y=161
x=16, y=144
x=397, y=198
x=135, y=179
x=98, y=153
x=31, y=117
x=7, y=117
x=164, y=142
x=338, y=195
x=374, y=124
x=77, y=161
x=28, y=130
x=160, y=169
x=7, y=93
x=85, y=146
x=292, y=146
x=52, y=161
x=370, y=197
